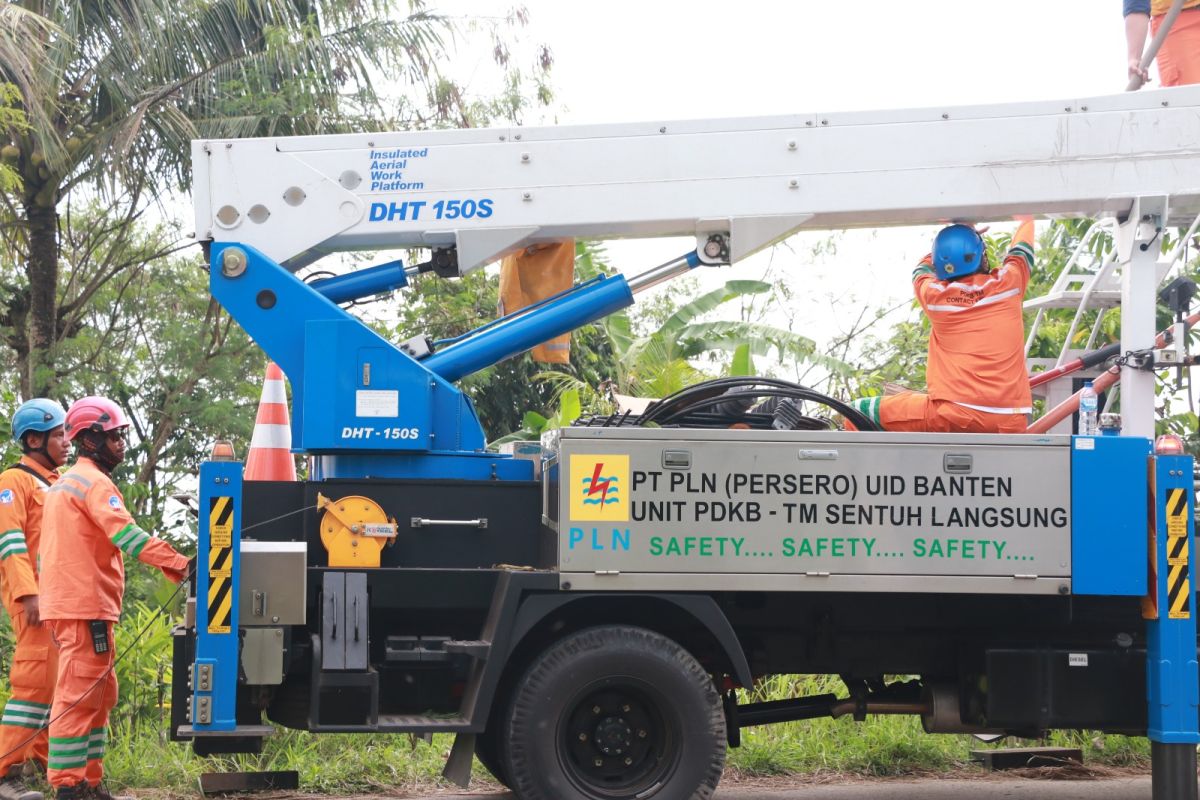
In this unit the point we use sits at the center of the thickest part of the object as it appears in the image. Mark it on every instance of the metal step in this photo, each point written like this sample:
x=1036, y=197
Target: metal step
x=417, y=723
x=475, y=648
x=419, y=649
x=431, y=649
x=402, y=723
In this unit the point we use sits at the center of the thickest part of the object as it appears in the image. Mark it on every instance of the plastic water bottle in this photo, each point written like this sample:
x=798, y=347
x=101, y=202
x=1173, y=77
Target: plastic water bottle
x=1089, y=411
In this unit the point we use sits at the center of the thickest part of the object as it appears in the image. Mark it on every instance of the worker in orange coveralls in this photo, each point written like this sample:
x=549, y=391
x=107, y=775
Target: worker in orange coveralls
x=975, y=371
x=83, y=577
x=38, y=426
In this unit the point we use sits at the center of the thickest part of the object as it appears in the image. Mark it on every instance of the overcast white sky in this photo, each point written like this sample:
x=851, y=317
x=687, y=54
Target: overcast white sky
x=620, y=61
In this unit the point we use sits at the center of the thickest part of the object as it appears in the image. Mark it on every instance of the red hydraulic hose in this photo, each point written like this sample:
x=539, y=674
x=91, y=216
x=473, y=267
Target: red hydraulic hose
x=1083, y=362
x=1069, y=406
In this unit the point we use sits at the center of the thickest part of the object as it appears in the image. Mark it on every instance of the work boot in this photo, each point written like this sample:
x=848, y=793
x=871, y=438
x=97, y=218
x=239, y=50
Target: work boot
x=13, y=787
x=76, y=792
x=99, y=792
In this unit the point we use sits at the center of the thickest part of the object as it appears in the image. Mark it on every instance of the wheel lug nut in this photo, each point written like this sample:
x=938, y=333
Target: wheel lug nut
x=595, y=709
x=599, y=762
x=641, y=734
x=625, y=708
x=583, y=737
x=628, y=760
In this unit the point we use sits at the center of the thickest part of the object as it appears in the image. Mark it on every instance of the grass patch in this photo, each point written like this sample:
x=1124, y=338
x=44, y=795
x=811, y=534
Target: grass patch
x=350, y=764
x=140, y=757
x=329, y=763
x=885, y=745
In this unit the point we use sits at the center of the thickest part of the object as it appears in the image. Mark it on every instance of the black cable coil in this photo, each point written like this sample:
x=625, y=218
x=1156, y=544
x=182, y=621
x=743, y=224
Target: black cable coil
x=754, y=402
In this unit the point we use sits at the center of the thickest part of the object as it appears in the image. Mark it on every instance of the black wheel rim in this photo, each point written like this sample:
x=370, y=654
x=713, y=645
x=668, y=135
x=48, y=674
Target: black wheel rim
x=617, y=739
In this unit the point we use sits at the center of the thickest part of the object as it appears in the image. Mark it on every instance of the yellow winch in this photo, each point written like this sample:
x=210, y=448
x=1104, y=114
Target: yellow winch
x=354, y=530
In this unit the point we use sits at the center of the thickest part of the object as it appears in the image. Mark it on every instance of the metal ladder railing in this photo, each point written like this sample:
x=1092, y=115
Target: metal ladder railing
x=1090, y=280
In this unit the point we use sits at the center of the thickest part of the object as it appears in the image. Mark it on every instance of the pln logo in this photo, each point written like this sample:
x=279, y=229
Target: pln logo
x=600, y=487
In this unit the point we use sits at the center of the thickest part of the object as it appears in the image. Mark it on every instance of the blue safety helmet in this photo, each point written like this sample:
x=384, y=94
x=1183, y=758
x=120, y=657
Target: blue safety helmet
x=39, y=414
x=958, y=251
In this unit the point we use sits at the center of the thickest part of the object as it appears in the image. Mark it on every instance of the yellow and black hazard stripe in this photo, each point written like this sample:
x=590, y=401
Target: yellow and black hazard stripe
x=220, y=564
x=1179, y=583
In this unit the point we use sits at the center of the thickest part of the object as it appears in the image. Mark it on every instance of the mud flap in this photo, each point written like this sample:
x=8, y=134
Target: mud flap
x=458, y=764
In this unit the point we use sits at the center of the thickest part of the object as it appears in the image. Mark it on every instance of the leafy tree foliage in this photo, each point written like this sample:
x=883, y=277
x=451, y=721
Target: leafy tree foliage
x=12, y=123
x=114, y=91
x=144, y=331
x=98, y=297
x=445, y=309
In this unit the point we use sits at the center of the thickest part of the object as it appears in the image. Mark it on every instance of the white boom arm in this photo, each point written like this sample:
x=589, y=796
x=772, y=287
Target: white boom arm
x=490, y=191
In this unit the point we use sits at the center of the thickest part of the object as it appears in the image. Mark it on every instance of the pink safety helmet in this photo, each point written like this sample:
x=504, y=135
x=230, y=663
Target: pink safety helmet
x=94, y=414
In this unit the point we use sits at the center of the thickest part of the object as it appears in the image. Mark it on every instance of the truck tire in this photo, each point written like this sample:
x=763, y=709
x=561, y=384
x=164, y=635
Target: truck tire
x=611, y=713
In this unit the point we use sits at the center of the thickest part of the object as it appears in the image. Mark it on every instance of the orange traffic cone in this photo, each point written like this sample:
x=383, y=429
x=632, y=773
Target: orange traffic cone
x=270, y=456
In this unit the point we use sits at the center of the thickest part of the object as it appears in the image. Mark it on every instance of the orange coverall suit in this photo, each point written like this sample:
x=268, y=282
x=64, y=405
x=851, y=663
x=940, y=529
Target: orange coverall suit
x=1179, y=57
x=82, y=580
x=532, y=275
x=23, y=735
x=976, y=370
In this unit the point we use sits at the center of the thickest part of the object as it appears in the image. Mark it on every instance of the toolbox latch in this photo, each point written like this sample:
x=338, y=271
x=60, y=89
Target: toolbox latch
x=956, y=462
x=676, y=459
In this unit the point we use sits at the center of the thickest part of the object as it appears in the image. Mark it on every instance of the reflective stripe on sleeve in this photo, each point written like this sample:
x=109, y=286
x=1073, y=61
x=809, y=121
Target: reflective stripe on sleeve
x=61, y=486
x=82, y=481
x=130, y=539
x=1024, y=252
x=12, y=542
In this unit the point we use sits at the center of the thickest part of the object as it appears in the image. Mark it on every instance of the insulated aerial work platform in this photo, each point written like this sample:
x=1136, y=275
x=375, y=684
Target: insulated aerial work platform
x=741, y=553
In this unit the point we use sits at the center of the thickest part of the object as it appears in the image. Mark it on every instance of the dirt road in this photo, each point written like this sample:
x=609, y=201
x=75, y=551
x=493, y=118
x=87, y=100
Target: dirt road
x=984, y=788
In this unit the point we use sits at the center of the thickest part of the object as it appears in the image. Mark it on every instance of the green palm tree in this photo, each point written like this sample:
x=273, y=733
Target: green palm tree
x=663, y=361
x=113, y=90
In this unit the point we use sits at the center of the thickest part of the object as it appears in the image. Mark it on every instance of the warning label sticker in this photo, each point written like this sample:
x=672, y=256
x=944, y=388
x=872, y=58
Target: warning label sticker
x=220, y=565
x=220, y=522
x=1179, y=585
